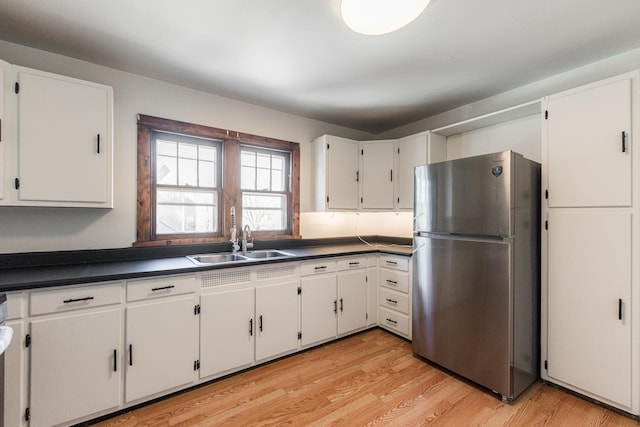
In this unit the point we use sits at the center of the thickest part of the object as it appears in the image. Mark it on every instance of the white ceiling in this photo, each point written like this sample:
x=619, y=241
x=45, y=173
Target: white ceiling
x=297, y=56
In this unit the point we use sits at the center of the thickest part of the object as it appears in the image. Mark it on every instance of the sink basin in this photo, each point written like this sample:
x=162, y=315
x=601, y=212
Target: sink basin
x=216, y=258
x=268, y=253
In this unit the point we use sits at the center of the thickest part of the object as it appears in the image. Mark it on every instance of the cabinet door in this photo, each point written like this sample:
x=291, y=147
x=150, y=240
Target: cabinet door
x=14, y=377
x=342, y=173
x=277, y=319
x=589, y=290
x=3, y=125
x=377, y=175
x=227, y=329
x=410, y=152
x=73, y=370
x=589, y=164
x=319, y=308
x=64, y=141
x=352, y=300
x=372, y=284
x=160, y=346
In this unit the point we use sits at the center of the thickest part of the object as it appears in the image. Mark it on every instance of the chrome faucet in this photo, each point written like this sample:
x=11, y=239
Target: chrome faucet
x=234, y=231
x=246, y=234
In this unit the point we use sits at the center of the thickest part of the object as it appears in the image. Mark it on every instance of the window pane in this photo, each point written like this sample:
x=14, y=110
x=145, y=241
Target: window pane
x=166, y=148
x=188, y=172
x=248, y=178
x=179, y=211
x=207, y=174
x=188, y=151
x=277, y=163
x=264, y=180
x=264, y=161
x=264, y=211
x=207, y=153
x=277, y=181
x=166, y=170
x=248, y=158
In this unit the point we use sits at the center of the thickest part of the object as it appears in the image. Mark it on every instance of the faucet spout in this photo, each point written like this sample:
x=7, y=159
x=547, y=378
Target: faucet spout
x=246, y=234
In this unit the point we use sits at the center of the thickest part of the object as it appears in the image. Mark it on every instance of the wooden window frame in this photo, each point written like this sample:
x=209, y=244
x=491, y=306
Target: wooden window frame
x=231, y=191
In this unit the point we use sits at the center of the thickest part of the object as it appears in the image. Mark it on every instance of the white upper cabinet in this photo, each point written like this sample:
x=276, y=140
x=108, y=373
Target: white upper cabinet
x=64, y=141
x=377, y=175
x=412, y=151
x=335, y=173
x=588, y=133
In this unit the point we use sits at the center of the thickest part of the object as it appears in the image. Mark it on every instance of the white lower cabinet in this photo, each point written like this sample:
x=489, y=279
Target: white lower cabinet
x=160, y=337
x=75, y=366
x=352, y=294
x=394, y=278
x=15, y=359
x=227, y=331
x=276, y=319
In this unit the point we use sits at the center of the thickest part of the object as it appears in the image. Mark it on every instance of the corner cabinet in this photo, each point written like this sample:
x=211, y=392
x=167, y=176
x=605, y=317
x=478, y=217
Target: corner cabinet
x=590, y=263
x=335, y=174
x=61, y=141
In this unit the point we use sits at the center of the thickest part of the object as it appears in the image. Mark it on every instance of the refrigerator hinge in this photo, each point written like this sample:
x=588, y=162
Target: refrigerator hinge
x=546, y=365
x=546, y=225
x=546, y=114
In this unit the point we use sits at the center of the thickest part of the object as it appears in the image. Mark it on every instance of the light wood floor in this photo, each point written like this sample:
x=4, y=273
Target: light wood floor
x=368, y=379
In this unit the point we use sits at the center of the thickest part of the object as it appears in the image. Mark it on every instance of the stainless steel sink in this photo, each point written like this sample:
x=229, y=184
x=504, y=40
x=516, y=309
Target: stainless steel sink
x=268, y=253
x=216, y=258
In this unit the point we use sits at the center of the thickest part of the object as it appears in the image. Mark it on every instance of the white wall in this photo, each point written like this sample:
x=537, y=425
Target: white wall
x=45, y=229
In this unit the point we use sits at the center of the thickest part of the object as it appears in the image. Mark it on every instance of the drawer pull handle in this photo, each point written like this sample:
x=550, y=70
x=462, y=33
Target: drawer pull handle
x=67, y=301
x=250, y=327
x=115, y=360
x=163, y=288
x=392, y=301
x=130, y=355
x=392, y=321
x=619, y=308
x=392, y=262
x=322, y=267
x=355, y=263
x=261, y=323
x=392, y=282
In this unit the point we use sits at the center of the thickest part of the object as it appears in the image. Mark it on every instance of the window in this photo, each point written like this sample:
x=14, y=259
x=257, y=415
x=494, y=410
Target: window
x=265, y=189
x=186, y=180
x=189, y=177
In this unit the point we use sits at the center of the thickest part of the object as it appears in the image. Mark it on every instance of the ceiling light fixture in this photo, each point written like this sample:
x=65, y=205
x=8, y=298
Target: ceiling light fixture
x=375, y=17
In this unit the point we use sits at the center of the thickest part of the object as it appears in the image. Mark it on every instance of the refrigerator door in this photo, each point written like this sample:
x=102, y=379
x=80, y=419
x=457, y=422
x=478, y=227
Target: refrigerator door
x=469, y=196
x=461, y=308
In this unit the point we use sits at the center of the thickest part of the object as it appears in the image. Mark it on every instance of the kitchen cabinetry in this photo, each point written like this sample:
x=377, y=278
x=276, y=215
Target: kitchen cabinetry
x=77, y=342
x=276, y=319
x=64, y=144
x=394, y=294
x=372, y=290
x=4, y=68
x=15, y=373
x=319, y=306
x=588, y=133
x=352, y=294
x=227, y=330
x=335, y=173
x=377, y=175
x=412, y=151
x=160, y=335
x=590, y=265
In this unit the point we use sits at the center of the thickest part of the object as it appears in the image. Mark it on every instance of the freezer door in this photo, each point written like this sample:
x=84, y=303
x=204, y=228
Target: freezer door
x=461, y=308
x=465, y=196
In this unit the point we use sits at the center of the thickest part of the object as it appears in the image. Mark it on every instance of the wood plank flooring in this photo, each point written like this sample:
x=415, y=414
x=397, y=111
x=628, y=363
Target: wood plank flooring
x=370, y=379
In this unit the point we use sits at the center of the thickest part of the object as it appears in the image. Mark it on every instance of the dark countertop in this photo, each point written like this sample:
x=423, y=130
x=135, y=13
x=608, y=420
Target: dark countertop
x=28, y=271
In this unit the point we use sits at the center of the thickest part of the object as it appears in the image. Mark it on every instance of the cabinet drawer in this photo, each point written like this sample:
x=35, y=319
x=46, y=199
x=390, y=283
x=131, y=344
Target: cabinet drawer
x=394, y=321
x=393, y=261
x=59, y=300
x=394, y=279
x=318, y=267
x=351, y=263
x=394, y=300
x=160, y=287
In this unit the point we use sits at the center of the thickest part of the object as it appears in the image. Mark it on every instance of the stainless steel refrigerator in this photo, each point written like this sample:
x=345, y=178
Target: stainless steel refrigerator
x=476, y=269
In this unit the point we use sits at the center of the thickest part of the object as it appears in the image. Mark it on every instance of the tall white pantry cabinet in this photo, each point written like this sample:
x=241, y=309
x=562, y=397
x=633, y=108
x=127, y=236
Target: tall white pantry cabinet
x=591, y=241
